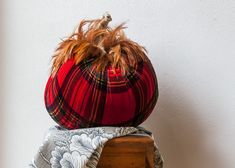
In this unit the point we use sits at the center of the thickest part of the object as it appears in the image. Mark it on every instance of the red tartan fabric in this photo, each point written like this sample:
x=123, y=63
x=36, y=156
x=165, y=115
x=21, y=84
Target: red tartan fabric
x=76, y=97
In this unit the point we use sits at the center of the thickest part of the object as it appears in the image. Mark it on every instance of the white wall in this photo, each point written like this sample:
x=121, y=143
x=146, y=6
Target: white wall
x=190, y=42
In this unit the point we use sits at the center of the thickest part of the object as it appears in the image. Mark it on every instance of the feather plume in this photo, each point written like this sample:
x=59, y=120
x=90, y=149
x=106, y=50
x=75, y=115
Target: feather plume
x=109, y=46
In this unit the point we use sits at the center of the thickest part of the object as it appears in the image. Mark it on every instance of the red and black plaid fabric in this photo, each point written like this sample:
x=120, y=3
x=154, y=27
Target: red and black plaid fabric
x=77, y=97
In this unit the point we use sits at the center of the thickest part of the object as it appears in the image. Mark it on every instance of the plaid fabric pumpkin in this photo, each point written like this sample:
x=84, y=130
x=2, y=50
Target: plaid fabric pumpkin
x=77, y=96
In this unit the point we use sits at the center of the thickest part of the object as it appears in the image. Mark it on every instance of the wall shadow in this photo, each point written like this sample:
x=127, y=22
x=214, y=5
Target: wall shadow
x=180, y=135
x=2, y=82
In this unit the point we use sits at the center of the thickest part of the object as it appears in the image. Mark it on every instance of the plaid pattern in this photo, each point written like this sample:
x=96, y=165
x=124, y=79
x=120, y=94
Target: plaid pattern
x=77, y=97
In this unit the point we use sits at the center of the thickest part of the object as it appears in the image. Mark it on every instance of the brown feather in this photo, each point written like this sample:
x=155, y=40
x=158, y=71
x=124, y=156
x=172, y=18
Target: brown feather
x=108, y=46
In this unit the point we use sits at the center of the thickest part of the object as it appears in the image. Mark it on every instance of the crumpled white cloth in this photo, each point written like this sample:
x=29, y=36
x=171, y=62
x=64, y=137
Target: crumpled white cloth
x=81, y=148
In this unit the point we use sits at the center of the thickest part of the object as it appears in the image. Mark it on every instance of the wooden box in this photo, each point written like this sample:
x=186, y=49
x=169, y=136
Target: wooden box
x=128, y=152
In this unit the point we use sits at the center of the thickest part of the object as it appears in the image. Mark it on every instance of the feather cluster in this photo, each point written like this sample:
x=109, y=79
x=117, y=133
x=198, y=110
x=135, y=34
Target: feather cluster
x=95, y=39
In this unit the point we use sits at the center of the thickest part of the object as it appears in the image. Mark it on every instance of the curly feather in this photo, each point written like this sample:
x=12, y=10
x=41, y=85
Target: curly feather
x=108, y=46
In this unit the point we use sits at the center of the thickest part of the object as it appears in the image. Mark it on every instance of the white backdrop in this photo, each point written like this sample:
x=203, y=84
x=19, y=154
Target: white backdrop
x=190, y=42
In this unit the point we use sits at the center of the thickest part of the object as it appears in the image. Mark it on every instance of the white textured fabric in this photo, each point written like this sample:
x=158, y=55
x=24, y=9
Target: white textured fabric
x=81, y=148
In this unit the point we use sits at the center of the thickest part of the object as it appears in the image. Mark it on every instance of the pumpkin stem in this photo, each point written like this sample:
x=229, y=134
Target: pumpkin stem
x=105, y=20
